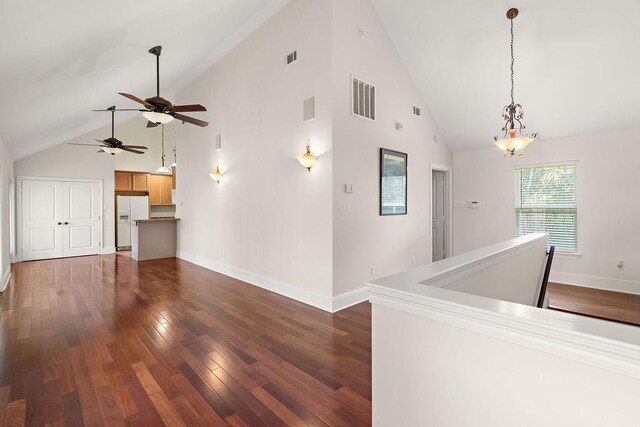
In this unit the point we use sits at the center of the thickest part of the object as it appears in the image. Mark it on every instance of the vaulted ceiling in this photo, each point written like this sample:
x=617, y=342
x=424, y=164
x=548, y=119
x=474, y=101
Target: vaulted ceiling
x=61, y=59
x=577, y=61
x=577, y=64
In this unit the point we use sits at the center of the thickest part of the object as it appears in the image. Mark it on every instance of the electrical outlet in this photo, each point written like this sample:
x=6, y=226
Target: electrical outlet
x=620, y=265
x=373, y=271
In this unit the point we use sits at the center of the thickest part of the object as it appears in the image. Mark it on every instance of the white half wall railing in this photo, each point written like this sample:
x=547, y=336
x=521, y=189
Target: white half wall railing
x=460, y=342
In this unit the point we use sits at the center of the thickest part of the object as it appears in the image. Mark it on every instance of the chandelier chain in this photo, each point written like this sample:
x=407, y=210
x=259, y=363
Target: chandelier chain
x=512, y=62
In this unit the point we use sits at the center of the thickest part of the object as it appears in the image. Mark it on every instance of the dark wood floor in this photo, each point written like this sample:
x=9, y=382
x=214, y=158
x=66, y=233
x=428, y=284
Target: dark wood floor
x=615, y=306
x=105, y=340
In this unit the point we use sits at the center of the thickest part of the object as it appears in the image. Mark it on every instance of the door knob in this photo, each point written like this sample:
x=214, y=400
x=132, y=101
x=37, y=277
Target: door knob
x=59, y=223
x=66, y=223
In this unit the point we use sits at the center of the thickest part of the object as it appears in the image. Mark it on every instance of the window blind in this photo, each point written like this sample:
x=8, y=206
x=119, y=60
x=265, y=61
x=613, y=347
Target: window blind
x=546, y=203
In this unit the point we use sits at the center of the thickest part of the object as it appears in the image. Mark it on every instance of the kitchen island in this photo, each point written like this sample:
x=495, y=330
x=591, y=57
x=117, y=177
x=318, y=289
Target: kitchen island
x=154, y=238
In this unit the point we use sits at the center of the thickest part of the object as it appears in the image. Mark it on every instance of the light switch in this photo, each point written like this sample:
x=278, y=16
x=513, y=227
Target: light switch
x=342, y=205
x=348, y=188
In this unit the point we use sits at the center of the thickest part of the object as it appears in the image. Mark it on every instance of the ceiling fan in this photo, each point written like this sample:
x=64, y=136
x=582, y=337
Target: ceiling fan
x=112, y=145
x=159, y=110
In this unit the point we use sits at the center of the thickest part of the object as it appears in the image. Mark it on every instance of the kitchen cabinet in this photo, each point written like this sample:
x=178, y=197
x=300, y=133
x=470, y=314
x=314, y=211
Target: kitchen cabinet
x=160, y=190
x=123, y=181
x=131, y=181
x=140, y=182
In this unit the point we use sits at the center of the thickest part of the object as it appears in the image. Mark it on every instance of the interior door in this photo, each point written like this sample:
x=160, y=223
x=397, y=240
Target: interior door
x=82, y=225
x=439, y=216
x=42, y=220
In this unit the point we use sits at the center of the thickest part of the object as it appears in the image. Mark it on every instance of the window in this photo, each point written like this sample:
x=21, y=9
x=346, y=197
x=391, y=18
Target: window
x=546, y=203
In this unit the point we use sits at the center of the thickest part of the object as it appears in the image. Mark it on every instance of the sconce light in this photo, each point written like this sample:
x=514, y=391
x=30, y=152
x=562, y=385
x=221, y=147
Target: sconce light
x=216, y=175
x=308, y=159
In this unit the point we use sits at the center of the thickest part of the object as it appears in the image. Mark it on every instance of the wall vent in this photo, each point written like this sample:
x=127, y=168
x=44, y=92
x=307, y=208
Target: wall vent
x=291, y=57
x=219, y=141
x=363, y=99
x=416, y=111
x=309, y=109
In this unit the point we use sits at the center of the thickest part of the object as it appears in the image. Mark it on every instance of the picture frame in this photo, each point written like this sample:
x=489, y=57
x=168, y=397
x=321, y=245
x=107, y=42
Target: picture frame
x=393, y=182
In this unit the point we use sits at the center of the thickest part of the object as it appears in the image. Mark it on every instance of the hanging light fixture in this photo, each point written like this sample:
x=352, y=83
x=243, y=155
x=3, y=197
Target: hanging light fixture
x=514, y=137
x=163, y=168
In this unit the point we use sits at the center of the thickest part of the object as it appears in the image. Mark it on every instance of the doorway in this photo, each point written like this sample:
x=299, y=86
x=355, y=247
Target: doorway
x=441, y=236
x=59, y=218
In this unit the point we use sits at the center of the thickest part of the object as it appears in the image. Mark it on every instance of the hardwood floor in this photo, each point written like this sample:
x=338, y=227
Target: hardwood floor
x=615, y=306
x=105, y=340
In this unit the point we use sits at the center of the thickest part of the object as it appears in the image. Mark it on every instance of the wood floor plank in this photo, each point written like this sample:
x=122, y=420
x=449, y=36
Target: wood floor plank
x=602, y=304
x=105, y=340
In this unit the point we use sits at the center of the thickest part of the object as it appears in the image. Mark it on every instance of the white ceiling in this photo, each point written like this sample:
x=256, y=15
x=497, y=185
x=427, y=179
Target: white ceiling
x=61, y=59
x=577, y=64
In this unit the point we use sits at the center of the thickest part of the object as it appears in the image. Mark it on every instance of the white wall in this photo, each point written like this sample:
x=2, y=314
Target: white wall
x=436, y=374
x=6, y=169
x=269, y=220
x=608, y=221
x=361, y=237
x=69, y=161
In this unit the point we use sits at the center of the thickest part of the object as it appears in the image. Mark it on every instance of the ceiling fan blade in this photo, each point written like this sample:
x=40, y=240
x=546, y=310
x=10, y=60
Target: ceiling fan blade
x=136, y=99
x=191, y=120
x=131, y=150
x=186, y=108
x=89, y=145
x=124, y=109
x=140, y=147
x=151, y=124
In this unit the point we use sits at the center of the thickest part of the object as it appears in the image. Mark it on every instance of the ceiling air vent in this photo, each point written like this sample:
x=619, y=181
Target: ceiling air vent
x=292, y=57
x=363, y=99
x=416, y=111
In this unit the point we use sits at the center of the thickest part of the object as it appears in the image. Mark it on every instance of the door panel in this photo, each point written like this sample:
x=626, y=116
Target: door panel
x=41, y=213
x=439, y=205
x=81, y=233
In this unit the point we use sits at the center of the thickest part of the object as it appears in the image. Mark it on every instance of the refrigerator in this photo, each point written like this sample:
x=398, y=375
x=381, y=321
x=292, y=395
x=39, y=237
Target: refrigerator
x=130, y=209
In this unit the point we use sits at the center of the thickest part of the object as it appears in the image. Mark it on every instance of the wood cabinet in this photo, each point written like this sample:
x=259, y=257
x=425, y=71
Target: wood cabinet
x=123, y=181
x=160, y=190
x=140, y=182
x=131, y=181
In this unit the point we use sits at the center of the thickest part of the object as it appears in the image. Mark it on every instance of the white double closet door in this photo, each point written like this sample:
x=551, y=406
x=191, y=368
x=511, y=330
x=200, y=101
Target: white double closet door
x=60, y=219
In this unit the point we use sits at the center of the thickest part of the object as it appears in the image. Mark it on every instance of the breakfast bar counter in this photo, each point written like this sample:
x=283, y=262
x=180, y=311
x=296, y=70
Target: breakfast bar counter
x=154, y=238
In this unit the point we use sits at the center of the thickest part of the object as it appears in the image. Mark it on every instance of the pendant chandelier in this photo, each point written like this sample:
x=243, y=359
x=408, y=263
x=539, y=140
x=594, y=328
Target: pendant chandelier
x=163, y=168
x=514, y=136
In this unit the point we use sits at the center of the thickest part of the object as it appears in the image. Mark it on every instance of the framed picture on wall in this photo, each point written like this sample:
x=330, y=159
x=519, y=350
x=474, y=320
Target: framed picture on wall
x=393, y=182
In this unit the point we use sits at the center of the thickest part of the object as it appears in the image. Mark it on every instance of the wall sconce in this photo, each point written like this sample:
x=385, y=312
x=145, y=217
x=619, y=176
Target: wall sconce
x=216, y=175
x=308, y=159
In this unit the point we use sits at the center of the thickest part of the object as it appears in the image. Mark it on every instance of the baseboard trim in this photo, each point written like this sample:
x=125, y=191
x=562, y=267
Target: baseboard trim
x=108, y=250
x=605, y=283
x=350, y=298
x=6, y=279
x=285, y=289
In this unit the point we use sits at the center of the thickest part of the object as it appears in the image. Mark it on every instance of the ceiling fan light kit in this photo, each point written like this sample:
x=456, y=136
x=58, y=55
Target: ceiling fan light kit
x=514, y=136
x=157, y=118
x=159, y=111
